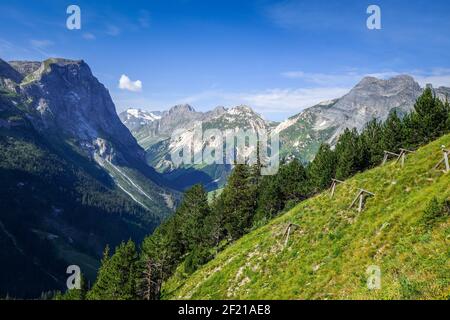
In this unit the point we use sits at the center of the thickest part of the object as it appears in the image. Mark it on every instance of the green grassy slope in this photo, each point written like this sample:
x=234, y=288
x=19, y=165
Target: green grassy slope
x=327, y=258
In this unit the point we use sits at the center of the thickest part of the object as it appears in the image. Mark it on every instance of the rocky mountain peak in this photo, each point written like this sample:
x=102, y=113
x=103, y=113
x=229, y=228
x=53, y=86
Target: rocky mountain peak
x=400, y=82
x=25, y=67
x=181, y=108
x=68, y=99
x=242, y=108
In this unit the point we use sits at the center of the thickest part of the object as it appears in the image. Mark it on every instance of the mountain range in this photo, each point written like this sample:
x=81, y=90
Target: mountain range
x=301, y=135
x=155, y=137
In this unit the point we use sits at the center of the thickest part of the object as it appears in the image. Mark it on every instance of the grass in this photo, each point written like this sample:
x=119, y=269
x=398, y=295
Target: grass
x=328, y=257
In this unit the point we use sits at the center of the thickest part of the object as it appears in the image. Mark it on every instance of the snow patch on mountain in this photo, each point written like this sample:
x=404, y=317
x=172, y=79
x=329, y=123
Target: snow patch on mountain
x=139, y=114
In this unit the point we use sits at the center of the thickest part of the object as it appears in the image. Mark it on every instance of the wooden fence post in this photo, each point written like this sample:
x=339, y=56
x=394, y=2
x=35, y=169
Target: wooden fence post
x=333, y=186
x=402, y=156
x=444, y=160
x=386, y=156
x=361, y=196
x=287, y=233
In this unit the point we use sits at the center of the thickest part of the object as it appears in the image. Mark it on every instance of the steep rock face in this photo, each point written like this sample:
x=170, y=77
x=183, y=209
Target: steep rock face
x=72, y=177
x=65, y=103
x=70, y=100
x=373, y=98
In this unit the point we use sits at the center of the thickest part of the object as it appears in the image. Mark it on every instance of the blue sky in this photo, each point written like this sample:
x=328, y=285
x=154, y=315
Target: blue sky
x=276, y=56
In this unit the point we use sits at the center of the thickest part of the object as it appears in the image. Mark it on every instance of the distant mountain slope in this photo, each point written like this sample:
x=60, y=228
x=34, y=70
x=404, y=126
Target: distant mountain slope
x=372, y=98
x=156, y=136
x=135, y=119
x=401, y=230
x=72, y=177
x=164, y=124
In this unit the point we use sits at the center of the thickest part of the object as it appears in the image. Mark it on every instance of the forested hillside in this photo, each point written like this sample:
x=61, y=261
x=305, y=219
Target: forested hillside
x=57, y=209
x=404, y=231
x=410, y=206
x=58, y=206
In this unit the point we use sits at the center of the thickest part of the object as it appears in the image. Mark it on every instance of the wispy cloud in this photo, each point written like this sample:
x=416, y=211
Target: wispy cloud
x=126, y=84
x=42, y=46
x=89, y=36
x=112, y=30
x=276, y=100
x=324, y=79
x=316, y=88
x=437, y=77
x=5, y=46
x=289, y=100
x=12, y=50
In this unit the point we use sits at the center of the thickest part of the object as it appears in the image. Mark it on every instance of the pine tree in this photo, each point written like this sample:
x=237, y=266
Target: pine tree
x=118, y=275
x=394, y=133
x=161, y=253
x=239, y=201
x=74, y=294
x=429, y=117
x=322, y=169
x=270, y=200
x=215, y=223
x=447, y=108
x=293, y=183
x=372, y=139
x=351, y=154
x=192, y=214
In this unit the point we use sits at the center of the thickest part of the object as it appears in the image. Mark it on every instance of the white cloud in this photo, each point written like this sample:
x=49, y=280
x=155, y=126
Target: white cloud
x=41, y=44
x=89, y=36
x=126, y=84
x=42, y=47
x=271, y=100
x=323, y=78
x=289, y=100
x=437, y=77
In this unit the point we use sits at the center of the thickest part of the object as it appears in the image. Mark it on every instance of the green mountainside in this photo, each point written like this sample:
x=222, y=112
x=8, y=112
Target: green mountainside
x=57, y=209
x=404, y=230
x=72, y=178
